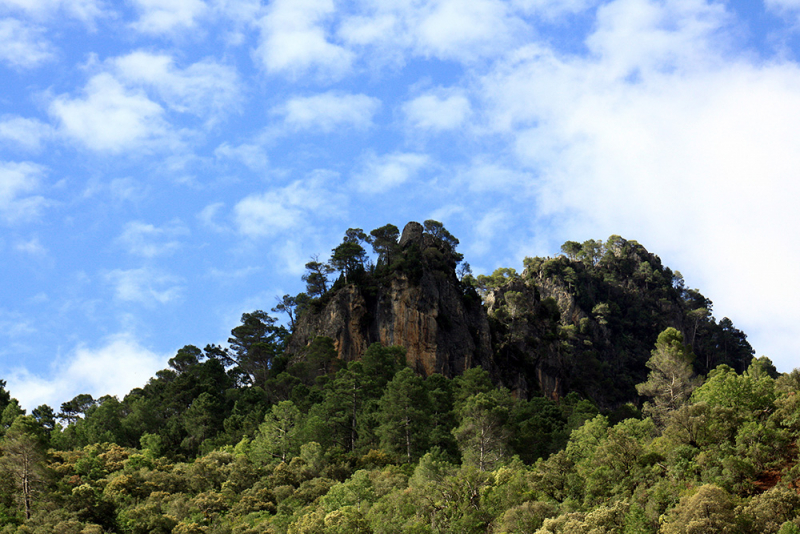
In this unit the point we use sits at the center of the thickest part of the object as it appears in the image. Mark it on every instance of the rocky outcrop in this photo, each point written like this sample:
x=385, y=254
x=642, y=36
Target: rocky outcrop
x=439, y=322
x=566, y=324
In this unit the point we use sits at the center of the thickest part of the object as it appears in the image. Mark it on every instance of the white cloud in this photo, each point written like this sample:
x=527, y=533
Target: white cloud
x=245, y=11
x=148, y=241
x=379, y=174
x=288, y=208
x=329, y=111
x=86, y=11
x=16, y=180
x=116, y=367
x=205, y=88
x=464, y=30
x=294, y=42
x=693, y=157
x=31, y=247
x=488, y=177
x=14, y=325
x=25, y=133
x=208, y=216
x=144, y=285
x=365, y=30
x=486, y=229
x=437, y=112
x=164, y=16
x=668, y=36
x=787, y=7
x=552, y=9
x=253, y=156
x=111, y=117
x=22, y=45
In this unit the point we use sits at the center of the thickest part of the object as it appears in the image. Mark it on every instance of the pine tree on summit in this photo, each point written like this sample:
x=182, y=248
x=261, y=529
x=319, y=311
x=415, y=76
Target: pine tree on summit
x=671, y=379
x=349, y=256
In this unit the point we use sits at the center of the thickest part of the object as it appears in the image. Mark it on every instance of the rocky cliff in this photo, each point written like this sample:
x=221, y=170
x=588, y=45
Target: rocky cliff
x=584, y=323
x=417, y=303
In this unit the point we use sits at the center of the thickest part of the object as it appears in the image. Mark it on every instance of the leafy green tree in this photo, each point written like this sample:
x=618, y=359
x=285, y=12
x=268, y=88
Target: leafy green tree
x=317, y=359
x=10, y=413
x=45, y=416
x=437, y=230
x=571, y=249
x=471, y=382
x=341, y=407
x=709, y=510
x=403, y=421
x=185, y=359
x=278, y=436
x=482, y=433
x=381, y=363
x=316, y=277
x=256, y=343
x=538, y=428
x=288, y=305
x=23, y=460
x=5, y=396
x=500, y=277
x=349, y=257
x=591, y=251
x=201, y=421
x=748, y=395
x=671, y=379
x=440, y=415
x=72, y=410
x=385, y=243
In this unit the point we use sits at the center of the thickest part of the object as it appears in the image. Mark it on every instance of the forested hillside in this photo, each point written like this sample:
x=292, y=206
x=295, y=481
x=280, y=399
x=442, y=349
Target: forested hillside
x=593, y=392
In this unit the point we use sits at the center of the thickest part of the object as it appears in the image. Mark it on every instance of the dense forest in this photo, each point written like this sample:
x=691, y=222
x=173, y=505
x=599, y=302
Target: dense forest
x=591, y=393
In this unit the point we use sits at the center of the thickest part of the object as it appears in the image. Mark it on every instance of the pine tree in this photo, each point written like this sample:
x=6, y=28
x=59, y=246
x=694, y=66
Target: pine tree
x=671, y=379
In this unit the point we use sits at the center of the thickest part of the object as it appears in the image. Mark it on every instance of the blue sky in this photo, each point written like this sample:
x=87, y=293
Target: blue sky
x=166, y=165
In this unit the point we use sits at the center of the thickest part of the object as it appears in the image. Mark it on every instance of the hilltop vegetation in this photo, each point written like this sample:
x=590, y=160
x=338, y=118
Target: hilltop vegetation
x=607, y=399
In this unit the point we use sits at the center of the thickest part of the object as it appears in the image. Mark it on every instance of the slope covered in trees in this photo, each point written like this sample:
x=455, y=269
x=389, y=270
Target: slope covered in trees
x=609, y=400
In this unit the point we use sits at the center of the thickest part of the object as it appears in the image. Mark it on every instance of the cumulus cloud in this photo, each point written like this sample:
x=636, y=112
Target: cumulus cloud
x=788, y=7
x=145, y=286
x=22, y=45
x=692, y=156
x=86, y=11
x=25, y=133
x=462, y=30
x=110, y=117
x=328, y=111
x=164, y=16
x=552, y=9
x=148, y=241
x=17, y=181
x=113, y=368
x=208, y=216
x=253, y=156
x=294, y=40
x=437, y=112
x=380, y=174
x=288, y=208
x=205, y=88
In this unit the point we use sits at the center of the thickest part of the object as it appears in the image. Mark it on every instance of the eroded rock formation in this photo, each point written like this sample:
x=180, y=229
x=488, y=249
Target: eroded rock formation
x=424, y=309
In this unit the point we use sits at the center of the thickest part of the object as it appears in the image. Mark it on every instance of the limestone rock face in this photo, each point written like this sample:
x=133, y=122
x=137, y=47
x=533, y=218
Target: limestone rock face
x=443, y=329
x=440, y=330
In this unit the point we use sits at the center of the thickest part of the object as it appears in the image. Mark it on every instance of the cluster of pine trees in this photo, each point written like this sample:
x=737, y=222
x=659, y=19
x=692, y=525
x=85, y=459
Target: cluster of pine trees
x=247, y=439
x=385, y=451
